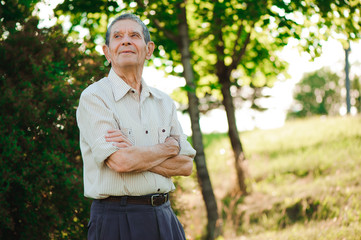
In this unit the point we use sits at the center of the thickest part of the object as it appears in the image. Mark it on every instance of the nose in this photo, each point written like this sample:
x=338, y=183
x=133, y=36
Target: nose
x=126, y=40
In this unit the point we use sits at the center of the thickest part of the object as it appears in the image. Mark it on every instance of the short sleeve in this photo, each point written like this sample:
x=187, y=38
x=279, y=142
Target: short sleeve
x=94, y=119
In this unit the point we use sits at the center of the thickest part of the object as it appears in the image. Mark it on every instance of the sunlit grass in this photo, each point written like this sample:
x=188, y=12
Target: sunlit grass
x=305, y=181
x=307, y=174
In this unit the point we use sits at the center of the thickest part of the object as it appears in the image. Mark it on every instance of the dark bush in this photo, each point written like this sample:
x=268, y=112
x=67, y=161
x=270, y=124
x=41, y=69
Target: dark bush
x=41, y=191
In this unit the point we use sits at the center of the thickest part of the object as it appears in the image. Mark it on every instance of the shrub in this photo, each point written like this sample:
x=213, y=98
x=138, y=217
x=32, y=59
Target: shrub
x=41, y=192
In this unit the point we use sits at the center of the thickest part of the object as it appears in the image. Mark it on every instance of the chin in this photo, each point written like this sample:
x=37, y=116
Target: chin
x=127, y=63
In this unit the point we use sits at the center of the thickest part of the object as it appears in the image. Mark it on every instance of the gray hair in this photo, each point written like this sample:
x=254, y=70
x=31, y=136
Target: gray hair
x=132, y=17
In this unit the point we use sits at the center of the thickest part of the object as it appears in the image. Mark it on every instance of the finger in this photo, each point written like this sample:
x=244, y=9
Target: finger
x=118, y=139
x=113, y=130
x=108, y=163
x=122, y=145
x=170, y=139
x=111, y=165
x=114, y=134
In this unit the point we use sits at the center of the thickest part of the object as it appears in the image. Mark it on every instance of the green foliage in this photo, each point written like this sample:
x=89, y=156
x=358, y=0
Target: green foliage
x=90, y=15
x=41, y=191
x=318, y=93
x=258, y=68
x=270, y=23
x=12, y=14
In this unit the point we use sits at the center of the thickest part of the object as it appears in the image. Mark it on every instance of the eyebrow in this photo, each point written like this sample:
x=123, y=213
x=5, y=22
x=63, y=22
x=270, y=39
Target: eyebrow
x=137, y=32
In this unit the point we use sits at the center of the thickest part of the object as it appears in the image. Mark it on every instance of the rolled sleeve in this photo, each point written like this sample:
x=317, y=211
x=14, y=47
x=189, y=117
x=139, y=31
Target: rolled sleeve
x=176, y=130
x=102, y=150
x=94, y=120
x=186, y=148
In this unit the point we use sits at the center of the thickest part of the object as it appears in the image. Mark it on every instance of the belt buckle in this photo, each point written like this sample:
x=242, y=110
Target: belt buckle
x=164, y=197
x=152, y=199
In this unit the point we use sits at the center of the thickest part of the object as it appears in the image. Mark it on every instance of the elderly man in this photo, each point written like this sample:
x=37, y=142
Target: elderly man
x=131, y=143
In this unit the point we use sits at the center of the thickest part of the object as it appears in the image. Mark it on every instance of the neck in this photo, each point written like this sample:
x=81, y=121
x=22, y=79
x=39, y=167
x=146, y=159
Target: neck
x=131, y=76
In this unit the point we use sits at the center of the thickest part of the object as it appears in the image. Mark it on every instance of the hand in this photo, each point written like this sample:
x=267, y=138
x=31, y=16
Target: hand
x=118, y=138
x=172, y=142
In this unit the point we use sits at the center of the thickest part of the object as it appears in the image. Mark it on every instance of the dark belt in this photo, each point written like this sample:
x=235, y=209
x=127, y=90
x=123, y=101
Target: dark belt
x=154, y=199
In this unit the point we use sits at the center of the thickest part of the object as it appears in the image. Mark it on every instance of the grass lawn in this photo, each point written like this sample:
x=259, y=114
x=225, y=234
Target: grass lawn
x=304, y=179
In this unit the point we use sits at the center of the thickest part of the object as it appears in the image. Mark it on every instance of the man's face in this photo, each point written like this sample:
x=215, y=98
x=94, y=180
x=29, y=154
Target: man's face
x=127, y=47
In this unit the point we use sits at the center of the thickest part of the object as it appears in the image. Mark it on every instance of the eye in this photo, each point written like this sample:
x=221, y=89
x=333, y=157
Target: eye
x=117, y=35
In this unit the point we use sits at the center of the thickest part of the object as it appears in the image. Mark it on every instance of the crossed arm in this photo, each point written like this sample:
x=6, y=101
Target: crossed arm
x=163, y=158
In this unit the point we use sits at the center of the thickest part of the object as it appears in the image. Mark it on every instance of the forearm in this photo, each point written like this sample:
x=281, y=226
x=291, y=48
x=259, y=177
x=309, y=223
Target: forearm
x=140, y=159
x=179, y=165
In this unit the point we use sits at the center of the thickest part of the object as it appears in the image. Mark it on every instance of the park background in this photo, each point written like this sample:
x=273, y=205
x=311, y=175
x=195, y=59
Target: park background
x=298, y=147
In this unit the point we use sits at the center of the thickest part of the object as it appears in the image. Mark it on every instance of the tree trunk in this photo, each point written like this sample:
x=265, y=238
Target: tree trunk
x=213, y=230
x=223, y=74
x=234, y=136
x=347, y=71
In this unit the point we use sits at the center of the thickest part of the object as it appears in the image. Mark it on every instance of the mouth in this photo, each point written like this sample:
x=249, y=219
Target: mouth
x=127, y=52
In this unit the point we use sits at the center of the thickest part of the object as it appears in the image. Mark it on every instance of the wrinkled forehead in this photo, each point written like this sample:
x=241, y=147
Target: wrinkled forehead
x=126, y=25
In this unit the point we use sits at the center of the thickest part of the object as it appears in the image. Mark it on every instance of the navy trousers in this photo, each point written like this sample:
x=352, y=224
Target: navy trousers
x=114, y=221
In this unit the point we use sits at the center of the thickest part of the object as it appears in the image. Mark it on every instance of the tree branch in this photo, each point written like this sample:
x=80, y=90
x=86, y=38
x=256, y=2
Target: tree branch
x=167, y=33
x=237, y=55
x=140, y=3
x=158, y=25
x=239, y=32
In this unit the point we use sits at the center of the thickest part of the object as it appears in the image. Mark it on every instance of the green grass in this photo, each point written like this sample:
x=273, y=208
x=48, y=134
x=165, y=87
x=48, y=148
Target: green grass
x=305, y=182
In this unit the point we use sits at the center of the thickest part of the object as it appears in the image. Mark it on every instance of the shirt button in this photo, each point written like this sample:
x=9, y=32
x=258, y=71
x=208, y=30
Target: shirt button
x=133, y=91
x=158, y=189
x=146, y=132
x=163, y=130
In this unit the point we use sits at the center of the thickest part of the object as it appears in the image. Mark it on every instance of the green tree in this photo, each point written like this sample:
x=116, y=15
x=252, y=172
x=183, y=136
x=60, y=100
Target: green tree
x=213, y=229
x=318, y=93
x=41, y=191
x=243, y=38
x=238, y=49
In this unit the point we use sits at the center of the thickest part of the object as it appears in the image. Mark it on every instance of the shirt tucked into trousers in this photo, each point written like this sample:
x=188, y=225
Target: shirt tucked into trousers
x=146, y=120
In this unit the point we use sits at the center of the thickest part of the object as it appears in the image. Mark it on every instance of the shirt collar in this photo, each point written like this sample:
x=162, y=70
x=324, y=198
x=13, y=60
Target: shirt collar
x=121, y=88
x=149, y=90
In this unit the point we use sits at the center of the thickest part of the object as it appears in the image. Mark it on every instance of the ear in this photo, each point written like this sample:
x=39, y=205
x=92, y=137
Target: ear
x=106, y=53
x=150, y=50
